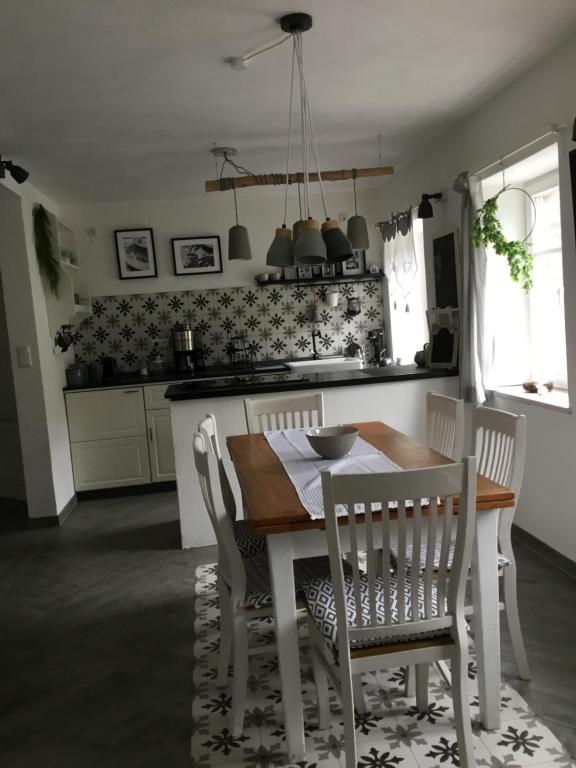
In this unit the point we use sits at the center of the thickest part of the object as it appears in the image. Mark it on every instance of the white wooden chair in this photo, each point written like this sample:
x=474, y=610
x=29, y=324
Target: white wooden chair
x=501, y=454
x=445, y=425
x=362, y=622
x=245, y=591
x=285, y=412
x=248, y=542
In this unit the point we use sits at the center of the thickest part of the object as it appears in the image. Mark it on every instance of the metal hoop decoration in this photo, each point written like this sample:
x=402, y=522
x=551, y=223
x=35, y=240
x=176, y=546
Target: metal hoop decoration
x=508, y=188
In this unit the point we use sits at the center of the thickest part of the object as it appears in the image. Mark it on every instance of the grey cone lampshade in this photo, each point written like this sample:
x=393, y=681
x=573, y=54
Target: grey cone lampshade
x=280, y=253
x=297, y=228
x=309, y=248
x=238, y=243
x=357, y=232
x=338, y=247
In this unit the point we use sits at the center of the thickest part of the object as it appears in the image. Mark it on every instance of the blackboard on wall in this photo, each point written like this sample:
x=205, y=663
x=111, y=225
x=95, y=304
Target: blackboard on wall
x=445, y=282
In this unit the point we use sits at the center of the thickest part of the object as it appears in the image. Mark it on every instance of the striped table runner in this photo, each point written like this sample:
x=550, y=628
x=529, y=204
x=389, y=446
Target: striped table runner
x=303, y=465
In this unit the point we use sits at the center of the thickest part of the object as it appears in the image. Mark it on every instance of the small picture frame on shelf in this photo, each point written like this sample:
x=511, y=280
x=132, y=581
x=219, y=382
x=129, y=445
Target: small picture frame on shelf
x=290, y=273
x=304, y=273
x=316, y=271
x=355, y=265
x=197, y=255
x=328, y=270
x=135, y=252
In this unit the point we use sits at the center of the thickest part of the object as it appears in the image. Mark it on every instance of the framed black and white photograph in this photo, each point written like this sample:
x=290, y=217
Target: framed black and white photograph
x=328, y=270
x=197, y=255
x=290, y=273
x=356, y=264
x=304, y=273
x=135, y=251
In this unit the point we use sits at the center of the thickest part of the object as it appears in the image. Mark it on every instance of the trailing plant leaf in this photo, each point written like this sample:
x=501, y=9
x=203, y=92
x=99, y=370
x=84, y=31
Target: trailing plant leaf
x=487, y=231
x=46, y=250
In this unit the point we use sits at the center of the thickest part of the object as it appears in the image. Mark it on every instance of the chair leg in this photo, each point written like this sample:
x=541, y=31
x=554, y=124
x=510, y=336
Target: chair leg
x=359, y=699
x=322, y=693
x=225, y=650
x=460, y=700
x=410, y=684
x=349, y=723
x=422, y=671
x=513, y=619
x=240, y=679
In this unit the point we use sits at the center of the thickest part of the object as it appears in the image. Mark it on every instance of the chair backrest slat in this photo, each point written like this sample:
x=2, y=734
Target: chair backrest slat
x=445, y=425
x=208, y=430
x=229, y=557
x=406, y=504
x=285, y=412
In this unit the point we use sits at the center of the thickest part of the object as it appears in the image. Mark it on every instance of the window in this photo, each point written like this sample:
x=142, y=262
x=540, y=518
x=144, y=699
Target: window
x=528, y=330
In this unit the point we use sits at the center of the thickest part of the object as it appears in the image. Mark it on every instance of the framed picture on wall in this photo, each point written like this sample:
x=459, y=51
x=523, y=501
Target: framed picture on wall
x=135, y=251
x=197, y=255
x=356, y=264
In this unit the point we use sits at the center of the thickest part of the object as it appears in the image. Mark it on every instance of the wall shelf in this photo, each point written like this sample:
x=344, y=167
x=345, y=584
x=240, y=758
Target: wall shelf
x=337, y=280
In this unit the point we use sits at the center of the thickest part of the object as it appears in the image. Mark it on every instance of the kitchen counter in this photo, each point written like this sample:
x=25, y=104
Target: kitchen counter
x=250, y=383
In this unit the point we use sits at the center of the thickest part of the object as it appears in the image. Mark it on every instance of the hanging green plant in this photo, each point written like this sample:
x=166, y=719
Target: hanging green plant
x=46, y=251
x=487, y=231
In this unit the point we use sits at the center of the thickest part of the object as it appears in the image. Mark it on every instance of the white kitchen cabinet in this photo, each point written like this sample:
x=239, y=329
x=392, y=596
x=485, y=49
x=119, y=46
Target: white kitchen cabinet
x=154, y=397
x=106, y=414
x=110, y=463
x=162, y=464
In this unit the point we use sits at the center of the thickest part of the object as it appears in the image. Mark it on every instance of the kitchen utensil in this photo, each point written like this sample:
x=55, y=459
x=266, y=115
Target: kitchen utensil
x=77, y=375
x=353, y=306
x=109, y=370
x=332, y=298
x=332, y=442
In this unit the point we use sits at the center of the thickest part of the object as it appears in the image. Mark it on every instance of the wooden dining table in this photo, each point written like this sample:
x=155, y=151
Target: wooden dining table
x=272, y=504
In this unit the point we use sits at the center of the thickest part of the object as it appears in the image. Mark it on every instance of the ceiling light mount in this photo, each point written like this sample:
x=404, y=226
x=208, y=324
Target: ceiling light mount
x=224, y=152
x=295, y=22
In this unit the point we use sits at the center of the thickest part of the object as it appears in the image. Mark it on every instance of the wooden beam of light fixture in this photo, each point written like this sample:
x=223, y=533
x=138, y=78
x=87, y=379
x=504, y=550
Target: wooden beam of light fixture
x=279, y=179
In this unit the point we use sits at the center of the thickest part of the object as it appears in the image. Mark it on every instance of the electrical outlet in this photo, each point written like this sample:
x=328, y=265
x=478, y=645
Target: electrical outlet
x=24, y=357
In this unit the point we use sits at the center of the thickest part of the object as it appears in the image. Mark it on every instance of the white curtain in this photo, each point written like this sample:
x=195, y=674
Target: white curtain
x=404, y=269
x=476, y=348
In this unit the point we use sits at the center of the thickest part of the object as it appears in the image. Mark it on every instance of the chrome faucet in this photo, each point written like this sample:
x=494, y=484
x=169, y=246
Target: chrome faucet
x=315, y=334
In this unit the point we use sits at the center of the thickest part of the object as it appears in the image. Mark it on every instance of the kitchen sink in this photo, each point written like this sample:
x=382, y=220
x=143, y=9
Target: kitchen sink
x=325, y=364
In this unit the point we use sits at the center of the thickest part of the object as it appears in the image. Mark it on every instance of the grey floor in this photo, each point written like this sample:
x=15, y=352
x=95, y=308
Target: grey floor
x=95, y=639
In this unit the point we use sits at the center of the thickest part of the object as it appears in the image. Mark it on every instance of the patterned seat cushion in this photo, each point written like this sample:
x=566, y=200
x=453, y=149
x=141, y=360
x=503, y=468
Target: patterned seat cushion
x=502, y=560
x=248, y=542
x=320, y=600
x=259, y=588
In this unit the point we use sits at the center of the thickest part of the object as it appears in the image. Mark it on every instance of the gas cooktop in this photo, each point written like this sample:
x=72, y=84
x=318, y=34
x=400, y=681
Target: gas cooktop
x=245, y=379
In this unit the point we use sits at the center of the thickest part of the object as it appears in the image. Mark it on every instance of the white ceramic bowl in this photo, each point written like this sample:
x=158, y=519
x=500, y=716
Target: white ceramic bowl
x=332, y=442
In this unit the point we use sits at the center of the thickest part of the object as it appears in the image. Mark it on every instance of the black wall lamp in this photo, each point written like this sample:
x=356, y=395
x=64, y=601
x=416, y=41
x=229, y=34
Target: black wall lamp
x=425, y=210
x=16, y=171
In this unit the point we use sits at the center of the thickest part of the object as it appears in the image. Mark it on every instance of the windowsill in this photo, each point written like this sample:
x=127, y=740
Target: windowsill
x=557, y=400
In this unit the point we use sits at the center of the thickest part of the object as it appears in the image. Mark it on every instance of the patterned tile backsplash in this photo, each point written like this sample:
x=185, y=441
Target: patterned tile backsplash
x=275, y=319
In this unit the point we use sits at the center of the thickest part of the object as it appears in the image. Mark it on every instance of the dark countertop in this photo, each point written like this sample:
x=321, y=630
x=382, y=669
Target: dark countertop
x=251, y=384
x=134, y=379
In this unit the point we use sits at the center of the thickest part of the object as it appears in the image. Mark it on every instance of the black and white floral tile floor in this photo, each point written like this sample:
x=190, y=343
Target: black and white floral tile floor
x=393, y=735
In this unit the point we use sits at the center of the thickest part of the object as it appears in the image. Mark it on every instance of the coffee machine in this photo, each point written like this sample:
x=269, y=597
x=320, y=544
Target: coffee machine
x=187, y=345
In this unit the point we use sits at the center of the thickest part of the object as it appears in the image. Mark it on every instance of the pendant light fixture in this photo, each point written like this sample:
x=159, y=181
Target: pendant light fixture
x=357, y=228
x=238, y=240
x=281, y=251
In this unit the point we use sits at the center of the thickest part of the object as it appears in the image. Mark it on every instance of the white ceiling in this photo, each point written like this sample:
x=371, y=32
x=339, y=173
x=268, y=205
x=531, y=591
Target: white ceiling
x=122, y=99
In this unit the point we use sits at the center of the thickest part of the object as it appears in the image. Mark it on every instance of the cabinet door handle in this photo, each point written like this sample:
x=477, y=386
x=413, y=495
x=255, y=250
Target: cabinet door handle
x=151, y=431
x=130, y=391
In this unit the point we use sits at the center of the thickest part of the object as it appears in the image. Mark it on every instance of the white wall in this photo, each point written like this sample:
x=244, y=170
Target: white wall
x=260, y=210
x=38, y=389
x=515, y=116
x=11, y=468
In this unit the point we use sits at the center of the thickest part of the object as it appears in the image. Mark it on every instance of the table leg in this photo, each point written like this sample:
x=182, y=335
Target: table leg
x=486, y=622
x=280, y=556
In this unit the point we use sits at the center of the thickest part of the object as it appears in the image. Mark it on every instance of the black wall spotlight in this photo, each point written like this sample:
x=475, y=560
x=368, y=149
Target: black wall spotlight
x=425, y=210
x=16, y=171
